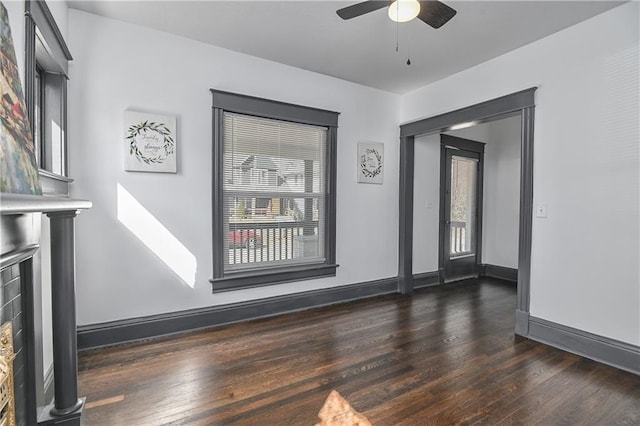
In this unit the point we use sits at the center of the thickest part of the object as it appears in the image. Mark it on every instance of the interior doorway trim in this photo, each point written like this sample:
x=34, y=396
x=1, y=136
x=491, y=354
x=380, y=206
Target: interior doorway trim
x=520, y=102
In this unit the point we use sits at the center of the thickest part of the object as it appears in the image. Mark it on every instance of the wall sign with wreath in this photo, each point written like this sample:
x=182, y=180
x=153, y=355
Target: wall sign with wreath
x=149, y=142
x=370, y=162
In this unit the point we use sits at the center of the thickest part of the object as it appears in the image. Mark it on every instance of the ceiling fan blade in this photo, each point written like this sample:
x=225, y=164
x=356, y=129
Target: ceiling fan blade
x=361, y=8
x=435, y=13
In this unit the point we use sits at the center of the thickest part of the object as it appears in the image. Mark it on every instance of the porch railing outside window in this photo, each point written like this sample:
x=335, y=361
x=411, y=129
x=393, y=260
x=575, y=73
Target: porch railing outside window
x=458, y=238
x=274, y=192
x=263, y=242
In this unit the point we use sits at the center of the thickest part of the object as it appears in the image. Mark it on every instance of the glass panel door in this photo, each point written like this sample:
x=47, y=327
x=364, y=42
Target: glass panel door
x=460, y=195
x=463, y=209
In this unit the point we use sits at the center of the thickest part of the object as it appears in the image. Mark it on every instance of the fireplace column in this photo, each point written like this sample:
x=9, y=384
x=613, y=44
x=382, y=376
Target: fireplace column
x=22, y=235
x=63, y=300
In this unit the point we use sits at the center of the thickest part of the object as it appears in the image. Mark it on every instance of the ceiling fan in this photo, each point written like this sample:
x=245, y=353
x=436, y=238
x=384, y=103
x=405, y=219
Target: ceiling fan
x=434, y=13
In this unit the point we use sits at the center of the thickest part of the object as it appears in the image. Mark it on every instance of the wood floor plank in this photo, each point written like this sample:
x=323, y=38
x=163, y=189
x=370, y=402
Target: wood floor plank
x=105, y=401
x=446, y=355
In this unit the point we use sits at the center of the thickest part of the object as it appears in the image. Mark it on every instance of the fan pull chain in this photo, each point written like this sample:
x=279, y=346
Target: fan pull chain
x=408, y=46
x=397, y=35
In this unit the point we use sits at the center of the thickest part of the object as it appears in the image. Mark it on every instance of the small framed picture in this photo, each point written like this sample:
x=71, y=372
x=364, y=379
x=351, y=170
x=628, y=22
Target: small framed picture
x=149, y=142
x=370, y=162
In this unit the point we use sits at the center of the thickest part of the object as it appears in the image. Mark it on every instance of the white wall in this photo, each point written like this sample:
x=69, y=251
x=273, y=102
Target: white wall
x=501, y=189
x=118, y=66
x=501, y=194
x=585, y=253
x=426, y=203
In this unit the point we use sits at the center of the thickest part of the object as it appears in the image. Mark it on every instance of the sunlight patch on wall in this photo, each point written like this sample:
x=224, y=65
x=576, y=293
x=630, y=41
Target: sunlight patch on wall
x=156, y=237
x=56, y=148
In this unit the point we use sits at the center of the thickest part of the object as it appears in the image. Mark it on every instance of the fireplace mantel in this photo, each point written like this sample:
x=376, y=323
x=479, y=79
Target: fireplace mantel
x=20, y=203
x=15, y=211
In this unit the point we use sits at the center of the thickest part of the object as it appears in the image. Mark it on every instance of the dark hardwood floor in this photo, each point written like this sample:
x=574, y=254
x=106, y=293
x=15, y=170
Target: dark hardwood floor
x=447, y=355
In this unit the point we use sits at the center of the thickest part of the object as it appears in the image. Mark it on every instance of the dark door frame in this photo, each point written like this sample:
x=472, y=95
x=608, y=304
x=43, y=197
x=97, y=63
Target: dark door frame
x=446, y=143
x=516, y=103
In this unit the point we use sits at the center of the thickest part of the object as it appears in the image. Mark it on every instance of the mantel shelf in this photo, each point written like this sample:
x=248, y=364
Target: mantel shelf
x=22, y=203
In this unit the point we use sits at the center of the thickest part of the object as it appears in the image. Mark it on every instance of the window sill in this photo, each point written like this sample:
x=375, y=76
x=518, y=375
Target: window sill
x=56, y=176
x=242, y=280
x=54, y=184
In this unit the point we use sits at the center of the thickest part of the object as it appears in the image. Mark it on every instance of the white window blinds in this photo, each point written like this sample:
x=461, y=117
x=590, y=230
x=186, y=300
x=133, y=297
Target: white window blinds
x=274, y=192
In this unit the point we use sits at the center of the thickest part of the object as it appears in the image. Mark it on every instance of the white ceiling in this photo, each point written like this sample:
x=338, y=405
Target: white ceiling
x=309, y=35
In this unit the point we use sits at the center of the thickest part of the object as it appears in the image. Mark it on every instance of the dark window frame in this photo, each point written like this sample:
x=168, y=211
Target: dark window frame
x=47, y=54
x=260, y=276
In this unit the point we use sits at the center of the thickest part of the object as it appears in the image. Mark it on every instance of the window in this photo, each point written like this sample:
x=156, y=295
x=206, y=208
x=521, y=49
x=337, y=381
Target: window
x=37, y=114
x=274, y=192
x=47, y=59
x=463, y=210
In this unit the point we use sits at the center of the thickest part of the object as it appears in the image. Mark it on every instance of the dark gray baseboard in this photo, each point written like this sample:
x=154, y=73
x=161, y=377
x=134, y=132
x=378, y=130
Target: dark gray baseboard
x=426, y=279
x=122, y=331
x=501, y=272
x=602, y=349
x=522, y=323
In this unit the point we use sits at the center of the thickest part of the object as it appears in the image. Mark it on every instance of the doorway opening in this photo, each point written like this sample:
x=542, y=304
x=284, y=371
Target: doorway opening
x=520, y=104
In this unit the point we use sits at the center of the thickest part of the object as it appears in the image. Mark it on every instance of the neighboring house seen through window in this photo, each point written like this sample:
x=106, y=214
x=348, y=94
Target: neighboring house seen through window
x=274, y=214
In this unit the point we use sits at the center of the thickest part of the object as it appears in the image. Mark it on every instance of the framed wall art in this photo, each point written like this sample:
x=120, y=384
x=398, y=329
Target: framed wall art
x=18, y=167
x=370, y=162
x=149, y=142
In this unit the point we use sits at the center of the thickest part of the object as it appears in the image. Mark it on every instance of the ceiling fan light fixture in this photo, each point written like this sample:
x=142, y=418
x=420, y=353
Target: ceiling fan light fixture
x=404, y=10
